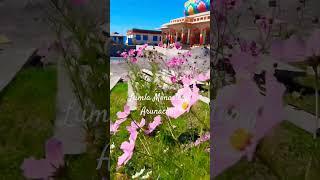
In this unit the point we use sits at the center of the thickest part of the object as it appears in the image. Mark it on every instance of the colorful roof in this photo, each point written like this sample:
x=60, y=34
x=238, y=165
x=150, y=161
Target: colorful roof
x=196, y=6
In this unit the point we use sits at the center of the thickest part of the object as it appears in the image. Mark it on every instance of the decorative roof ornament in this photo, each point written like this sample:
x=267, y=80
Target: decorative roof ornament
x=192, y=7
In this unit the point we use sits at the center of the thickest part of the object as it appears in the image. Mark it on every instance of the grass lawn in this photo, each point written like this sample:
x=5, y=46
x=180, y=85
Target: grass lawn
x=308, y=81
x=288, y=150
x=284, y=154
x=307, y=102
x=161, y=153
x=27, y=114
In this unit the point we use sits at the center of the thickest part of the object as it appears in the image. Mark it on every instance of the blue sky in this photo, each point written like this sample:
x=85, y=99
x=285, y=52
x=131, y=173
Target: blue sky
x=144, y=14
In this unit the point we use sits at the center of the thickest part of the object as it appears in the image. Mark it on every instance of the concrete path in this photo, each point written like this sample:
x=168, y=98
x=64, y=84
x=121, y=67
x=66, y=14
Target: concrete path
x=26, y=30
x=301, y=118
x=114, y=79
x=11, y=61
x=204, y=99
x=117, y=72
x=69, y=125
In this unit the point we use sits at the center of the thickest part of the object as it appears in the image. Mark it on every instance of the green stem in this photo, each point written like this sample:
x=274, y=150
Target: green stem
x=306, y=176
x=170, y=128
x=197, y=117
x=146, y=149
x=315, y=68
x=159, y=159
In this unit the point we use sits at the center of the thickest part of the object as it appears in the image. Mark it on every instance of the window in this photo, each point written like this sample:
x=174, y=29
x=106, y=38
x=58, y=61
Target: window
x=145, y=37
x=155, y=38
x=138, y=37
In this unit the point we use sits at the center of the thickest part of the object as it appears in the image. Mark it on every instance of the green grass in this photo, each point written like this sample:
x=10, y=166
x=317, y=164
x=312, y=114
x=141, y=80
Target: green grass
x=287, y=151
x=306, y=103
x=166, y=158
x=244, y=170
x=283, y=154
x=27, y=112
x=118, y=98
x=308, y=81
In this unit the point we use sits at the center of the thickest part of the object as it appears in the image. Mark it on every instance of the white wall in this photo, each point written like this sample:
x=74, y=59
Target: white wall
x=141, y=41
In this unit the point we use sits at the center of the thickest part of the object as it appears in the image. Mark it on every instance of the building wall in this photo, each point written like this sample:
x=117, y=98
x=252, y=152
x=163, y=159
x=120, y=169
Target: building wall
x=117, y=39
x=133, y=39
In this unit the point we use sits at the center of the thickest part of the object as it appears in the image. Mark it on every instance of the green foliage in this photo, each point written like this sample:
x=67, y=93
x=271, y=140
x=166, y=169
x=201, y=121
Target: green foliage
x=85, y=56
x=161, y=153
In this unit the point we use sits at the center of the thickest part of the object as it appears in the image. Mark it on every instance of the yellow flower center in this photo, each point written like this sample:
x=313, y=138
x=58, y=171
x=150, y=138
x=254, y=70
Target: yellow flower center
x=185, y=105
x=240, y=139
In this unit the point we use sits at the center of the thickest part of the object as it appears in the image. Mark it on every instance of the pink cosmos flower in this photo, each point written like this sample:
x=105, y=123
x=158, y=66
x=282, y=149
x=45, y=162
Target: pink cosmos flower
x=231, y=98
x=160, y=44
x=250, y=48
x=272, y=113
x=127, y=148
x=124, y=55
x=187, y=81
x=230, y=143
x=115, y=126
x=295, y=49
x=152, y=126
x=244, y=62
x=132, y=52
x=235, y=106
x=203, y=138
x=54, y=152
x=187, y=54
x=145, y=46
x=173, y=79
x=37, y=169
x=47, y=167
x=182, y=101
x=203, y=76
x=290, y=50
x=133, y=59
x=140, y=52
x=243, y=116
x=141, y=49
x=134, y=127
x=175, y=62
x=177, y=45
x=125, y=113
